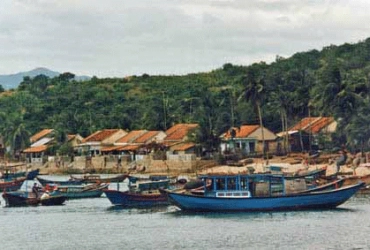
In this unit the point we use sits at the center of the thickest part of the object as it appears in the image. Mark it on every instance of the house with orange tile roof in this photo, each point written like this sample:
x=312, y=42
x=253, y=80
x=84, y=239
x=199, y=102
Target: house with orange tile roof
x=43, y=133
x=179, y=133
x=130, y=137
x=247, y=139
x=40, y=142
x=134, y=143
x=92, y=144
x=183, y=148
x=154, y=136
x=177, y=140
x=124, y=144
x=306, y=132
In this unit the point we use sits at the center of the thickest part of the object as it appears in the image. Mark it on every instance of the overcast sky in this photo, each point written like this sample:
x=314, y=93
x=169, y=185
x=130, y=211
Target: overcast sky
x=117, y=38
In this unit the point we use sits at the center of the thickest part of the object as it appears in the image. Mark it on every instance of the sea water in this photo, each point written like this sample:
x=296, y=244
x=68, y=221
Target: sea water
x=96, y=224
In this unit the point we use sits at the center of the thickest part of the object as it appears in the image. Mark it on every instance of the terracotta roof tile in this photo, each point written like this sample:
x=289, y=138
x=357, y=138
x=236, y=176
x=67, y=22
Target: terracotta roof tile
x=320, y=124
x=100, y=135
x=312, y=124
x=179, y=131
x=242, y=132
x=129, y=147
x=131, y=136
x=37, y=149
x=182, y=146
x=112, y=148
x=302, y=125
x=40, y=134
x=145, y=137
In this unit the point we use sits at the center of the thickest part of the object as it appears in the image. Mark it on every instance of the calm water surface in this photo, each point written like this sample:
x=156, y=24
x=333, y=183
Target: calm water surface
x=95, y=224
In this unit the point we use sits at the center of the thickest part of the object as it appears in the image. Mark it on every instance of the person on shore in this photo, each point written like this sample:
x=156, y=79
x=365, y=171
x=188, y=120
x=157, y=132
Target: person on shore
x=342, y=159
x=356, y=161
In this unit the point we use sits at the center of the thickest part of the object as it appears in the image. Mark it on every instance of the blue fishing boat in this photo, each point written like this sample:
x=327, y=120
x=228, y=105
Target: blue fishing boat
x=140, y=194
x=9, y=176
x=45, y=182
x=11, y=185
x=256, y=192
x=78, y=191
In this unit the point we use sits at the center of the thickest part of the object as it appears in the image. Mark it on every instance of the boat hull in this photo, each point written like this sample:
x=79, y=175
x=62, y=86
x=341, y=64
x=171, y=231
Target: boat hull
x=314, y=200
x=98, y=179
x=45, y=182
x=53, y=200
x=11, y=185
x=127, y=199
x=80, y=192
x=17, y=199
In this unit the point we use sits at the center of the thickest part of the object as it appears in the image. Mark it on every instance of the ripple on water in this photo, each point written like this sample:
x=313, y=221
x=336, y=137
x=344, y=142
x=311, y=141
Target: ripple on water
x=95, y=224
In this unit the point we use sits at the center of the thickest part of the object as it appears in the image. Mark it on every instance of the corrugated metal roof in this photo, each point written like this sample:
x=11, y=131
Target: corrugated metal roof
x=42, y=141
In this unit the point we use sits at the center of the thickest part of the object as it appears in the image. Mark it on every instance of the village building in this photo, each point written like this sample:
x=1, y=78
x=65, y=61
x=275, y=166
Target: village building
x=40, y=142
x=309, y=133
x=75, y=140
x=38, y=152
x=177, y=140
x=94, y=143
x=247, y=140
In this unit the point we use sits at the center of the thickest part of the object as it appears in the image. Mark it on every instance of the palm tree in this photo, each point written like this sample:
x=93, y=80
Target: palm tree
x=358, y=129
x=254, y=93
x=15, y=133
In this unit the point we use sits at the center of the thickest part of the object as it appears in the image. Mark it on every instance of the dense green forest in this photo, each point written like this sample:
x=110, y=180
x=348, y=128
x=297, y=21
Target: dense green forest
x=332, y=82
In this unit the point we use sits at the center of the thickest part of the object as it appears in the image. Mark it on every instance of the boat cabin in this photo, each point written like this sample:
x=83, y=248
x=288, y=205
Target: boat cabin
x=147, y=186
x=255, y=185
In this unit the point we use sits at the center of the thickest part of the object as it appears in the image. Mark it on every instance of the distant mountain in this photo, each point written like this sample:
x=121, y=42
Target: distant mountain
x=13, y=80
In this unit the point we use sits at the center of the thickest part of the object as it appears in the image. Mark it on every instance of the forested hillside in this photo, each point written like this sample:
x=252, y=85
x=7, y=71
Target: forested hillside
x=330, y=82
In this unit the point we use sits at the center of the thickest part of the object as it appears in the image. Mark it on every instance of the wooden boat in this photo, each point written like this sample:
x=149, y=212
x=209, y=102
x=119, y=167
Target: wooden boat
x=25, y=198
x=348, y=180
x=8, y=176
x=311, y=174
x=12, y=185
x=257, y=192
x=46, y=182
x=328, y=186
x=80, y=191
x=91, y=178
x=20, y=198
x=53, y=200
x=140, y=194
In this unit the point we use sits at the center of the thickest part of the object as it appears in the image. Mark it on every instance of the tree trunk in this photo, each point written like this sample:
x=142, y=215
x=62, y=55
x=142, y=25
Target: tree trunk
x=262, y=132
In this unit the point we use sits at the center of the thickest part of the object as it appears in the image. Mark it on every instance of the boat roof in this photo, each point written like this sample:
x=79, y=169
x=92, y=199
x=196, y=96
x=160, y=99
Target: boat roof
x=266, y=176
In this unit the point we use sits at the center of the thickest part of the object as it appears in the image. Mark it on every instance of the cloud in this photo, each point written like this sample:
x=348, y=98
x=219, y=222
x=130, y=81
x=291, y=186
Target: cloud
x=122, y=37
